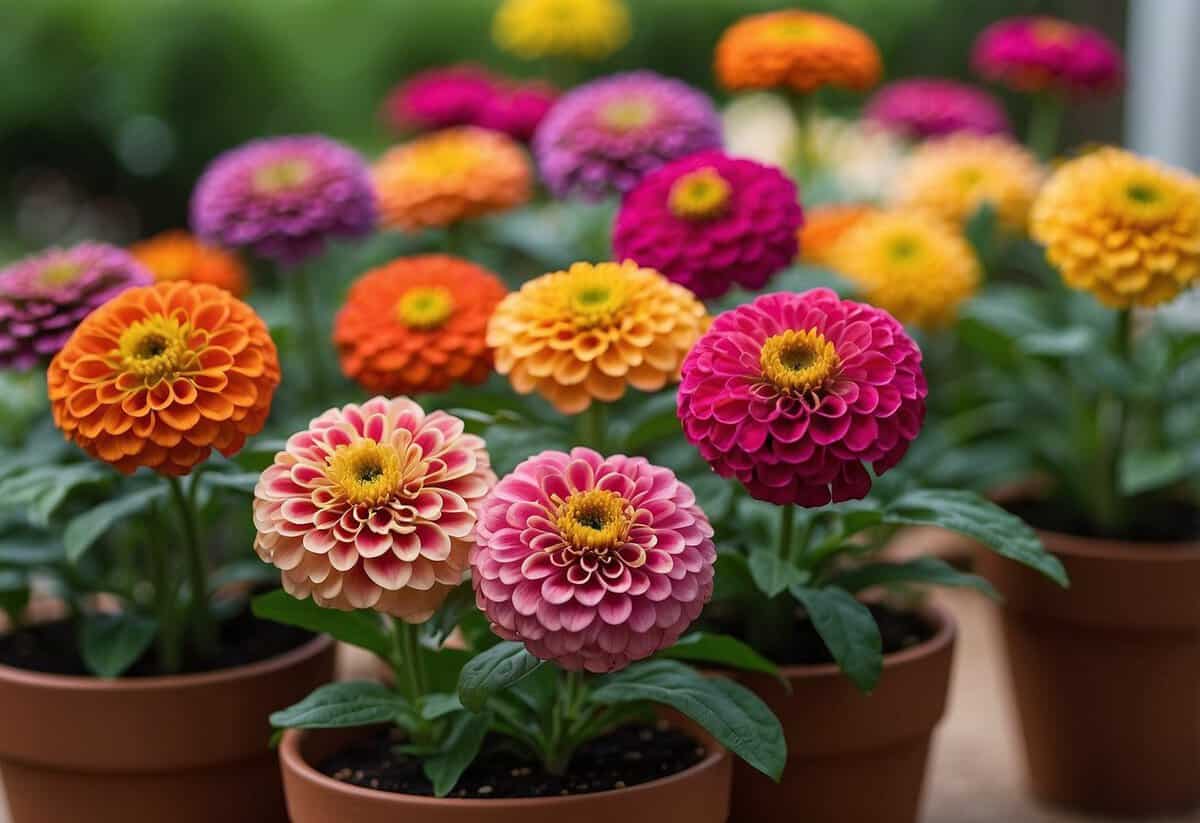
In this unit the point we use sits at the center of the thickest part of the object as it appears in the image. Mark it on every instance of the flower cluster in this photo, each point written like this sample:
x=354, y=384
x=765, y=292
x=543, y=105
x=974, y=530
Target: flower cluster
x=932, y=107
x=469, y=96
x=587, y=29
x=176, y=255
x=1044, y=54
x=711, y=222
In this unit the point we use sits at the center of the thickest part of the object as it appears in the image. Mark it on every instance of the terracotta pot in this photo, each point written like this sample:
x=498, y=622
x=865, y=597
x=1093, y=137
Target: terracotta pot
x=852, y=758
x=187, y=748
x=697, y=795
x=1107, y=673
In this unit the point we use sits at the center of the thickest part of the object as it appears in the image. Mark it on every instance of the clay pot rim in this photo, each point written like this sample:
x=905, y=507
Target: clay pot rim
x=293, y=760
x=1106, y=548
x=946, y=629
x=198, y=680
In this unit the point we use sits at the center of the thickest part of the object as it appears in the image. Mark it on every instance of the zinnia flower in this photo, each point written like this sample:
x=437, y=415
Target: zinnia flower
x=161, y=375
x=418, y=324
x=587, y=29
x=825, y=225
x=913, y=266
x=932, y=107
x=592, y=562
x=710, y=222
x=799, y=50
x=952, y=177
x=793, y=394
x=284, y=197
x=176, y=255
x=372, y=507
x=449, y=176
x=43, y=297
x=581, y=335
x=1122, y=227
x=1034, y=54
x=604, y=136
x=517, y=109
x=469, y=96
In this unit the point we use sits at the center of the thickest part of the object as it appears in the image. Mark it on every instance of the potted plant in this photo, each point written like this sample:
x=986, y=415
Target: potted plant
x=1103, y=395
x=589, y=568
x=145, y=698
x=795, y=395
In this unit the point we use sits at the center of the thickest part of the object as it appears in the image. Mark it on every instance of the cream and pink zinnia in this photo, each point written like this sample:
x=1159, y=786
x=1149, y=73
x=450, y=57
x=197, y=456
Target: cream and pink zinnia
x=373, y=506
x=592, y=562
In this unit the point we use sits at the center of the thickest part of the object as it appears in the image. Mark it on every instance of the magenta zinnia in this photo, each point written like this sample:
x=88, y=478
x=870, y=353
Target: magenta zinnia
x=372, y=507
x=923, y=107
x=592, y=562
x=710, y=222
x=1036, y=54
x=794, y=394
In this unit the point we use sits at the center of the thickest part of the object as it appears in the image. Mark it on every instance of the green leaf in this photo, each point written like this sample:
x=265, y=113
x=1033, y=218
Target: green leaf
x=445, y=620
x=85, y=529
x=1144, y=470
x=731, y=713
x=967, y=513
x=41, y=490
x=929, y=570
x=246, y=570
x=721, y=649
x=438, y=705
x=732, y=577
x=30, y=550
x=14, y=593
x=849, y=631
x=359, y=628
x=243, y=482
x=772, y=574
x=339, y=705
x=111, y=643
x=465, y=741
x=1059, y=342
x=493, y=671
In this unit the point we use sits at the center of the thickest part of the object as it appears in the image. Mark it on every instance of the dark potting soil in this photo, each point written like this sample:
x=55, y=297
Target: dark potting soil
x=900, y=630
x=1162, y=521
x=626, y=757
x=52, y=648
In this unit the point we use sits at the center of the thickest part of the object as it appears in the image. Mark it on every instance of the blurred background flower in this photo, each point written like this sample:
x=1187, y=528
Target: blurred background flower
x=932, y=106
x=177, y=255
x=586, y=29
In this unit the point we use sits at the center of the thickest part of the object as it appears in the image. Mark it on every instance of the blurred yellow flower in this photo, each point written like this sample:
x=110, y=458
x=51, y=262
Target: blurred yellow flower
x=825, y=225
x=587, y=29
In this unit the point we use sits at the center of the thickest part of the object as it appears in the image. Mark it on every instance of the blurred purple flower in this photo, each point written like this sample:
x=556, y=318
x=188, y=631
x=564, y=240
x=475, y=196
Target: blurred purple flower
x=930, y=107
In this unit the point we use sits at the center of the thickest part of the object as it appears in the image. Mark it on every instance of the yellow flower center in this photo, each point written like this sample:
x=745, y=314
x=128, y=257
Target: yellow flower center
x=593, y=299
x=699, y=195
x=595, y=520
x=968, y=177
x=1050, y=32
x=367, y=472
x=425, y=307
x=1143, y=199
x=799, y=30
x=59, y=274
x=282, y=175
x=443, y=157
x=627, y=115
x=903, y=248
x=799, y=361
x=156, y=348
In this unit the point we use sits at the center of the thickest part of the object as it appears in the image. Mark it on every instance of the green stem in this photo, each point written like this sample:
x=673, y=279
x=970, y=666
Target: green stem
x=313, y=336
x=170, y=651
x=1045, y=124
x=592, y=426
x=1111, y=509
x=804, y=110
x=787, y=529
x=201, y=622
x=561, y=744
x=406, y=659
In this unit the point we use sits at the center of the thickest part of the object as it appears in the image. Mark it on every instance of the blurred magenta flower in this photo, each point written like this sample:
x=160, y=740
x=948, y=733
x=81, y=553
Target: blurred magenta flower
x=923, y=107
x=467, y=95
x=1033, y=54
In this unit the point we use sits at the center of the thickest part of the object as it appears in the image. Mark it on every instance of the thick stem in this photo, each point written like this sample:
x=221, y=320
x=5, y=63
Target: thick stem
x=201, y=622
x=1111, y=509
x=804, y=110
x=787, y=529
x=592, y=426
x=1045, y=123
x=561, y=743
x=170, y=650
x=311, y=332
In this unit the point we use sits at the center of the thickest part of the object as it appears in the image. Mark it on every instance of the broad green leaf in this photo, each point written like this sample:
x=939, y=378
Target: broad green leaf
x=438, y=705
x=1143, y=470
x=494, y=671
x=929, y=570
x=41, y=490
x=338, y=705
x=967, y=513
x=360, y=628
x=85, y=529
x=731, y=713
x=849, y=631
x=714, y=494
x=243, y=571
x=466, y=739
x=702, y=647
x=732, y=578
x=111, y=643
x=30, y=549
x=773, y=574
x=243, y=482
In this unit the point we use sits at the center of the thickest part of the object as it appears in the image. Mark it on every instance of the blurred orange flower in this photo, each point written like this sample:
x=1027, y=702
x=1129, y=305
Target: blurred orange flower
x=825, y=225
x=177, y=255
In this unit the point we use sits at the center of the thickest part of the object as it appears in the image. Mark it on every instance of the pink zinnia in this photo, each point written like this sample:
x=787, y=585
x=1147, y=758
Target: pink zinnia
x=710, y=222
x=517, y=109
x=931, y=106
x=793, y=394
x=372, y=507
x=592, y=562
x=1047, y=54
x=440, y=98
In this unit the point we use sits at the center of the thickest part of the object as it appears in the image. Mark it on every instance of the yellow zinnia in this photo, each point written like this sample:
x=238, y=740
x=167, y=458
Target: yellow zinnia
x=588, y=29
x=1123, y=227
x=584, y=334
x=952, y=177
x=909, y=264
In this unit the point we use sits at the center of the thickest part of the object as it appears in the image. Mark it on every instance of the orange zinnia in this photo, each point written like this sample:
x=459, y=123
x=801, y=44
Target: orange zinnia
x=418, y=324
x=177, y=255
x=161, y=375
x=825, y=225
x=800, y=50
x=449, y=176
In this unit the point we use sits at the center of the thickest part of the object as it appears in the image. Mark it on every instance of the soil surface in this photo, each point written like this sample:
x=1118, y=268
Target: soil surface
x=52, y=648
x=900, y=630
x=625, y=757
x=1162, y=521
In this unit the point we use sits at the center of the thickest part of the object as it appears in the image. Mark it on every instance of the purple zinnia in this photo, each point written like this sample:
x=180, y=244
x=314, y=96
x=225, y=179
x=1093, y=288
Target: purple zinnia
x=710, y=222
x=284, y=197
x=1034, y=54
x=606, y=135
x=931, y=106
x=45, y=296
x=440, y=98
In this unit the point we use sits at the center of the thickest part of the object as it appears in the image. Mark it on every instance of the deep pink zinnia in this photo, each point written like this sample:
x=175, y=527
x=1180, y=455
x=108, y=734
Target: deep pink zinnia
x=592, y=562
x=710, y=222
x=467, y=95
x=923, y=107
x=517, y=109
x=1047, y=54
x=793, y=394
